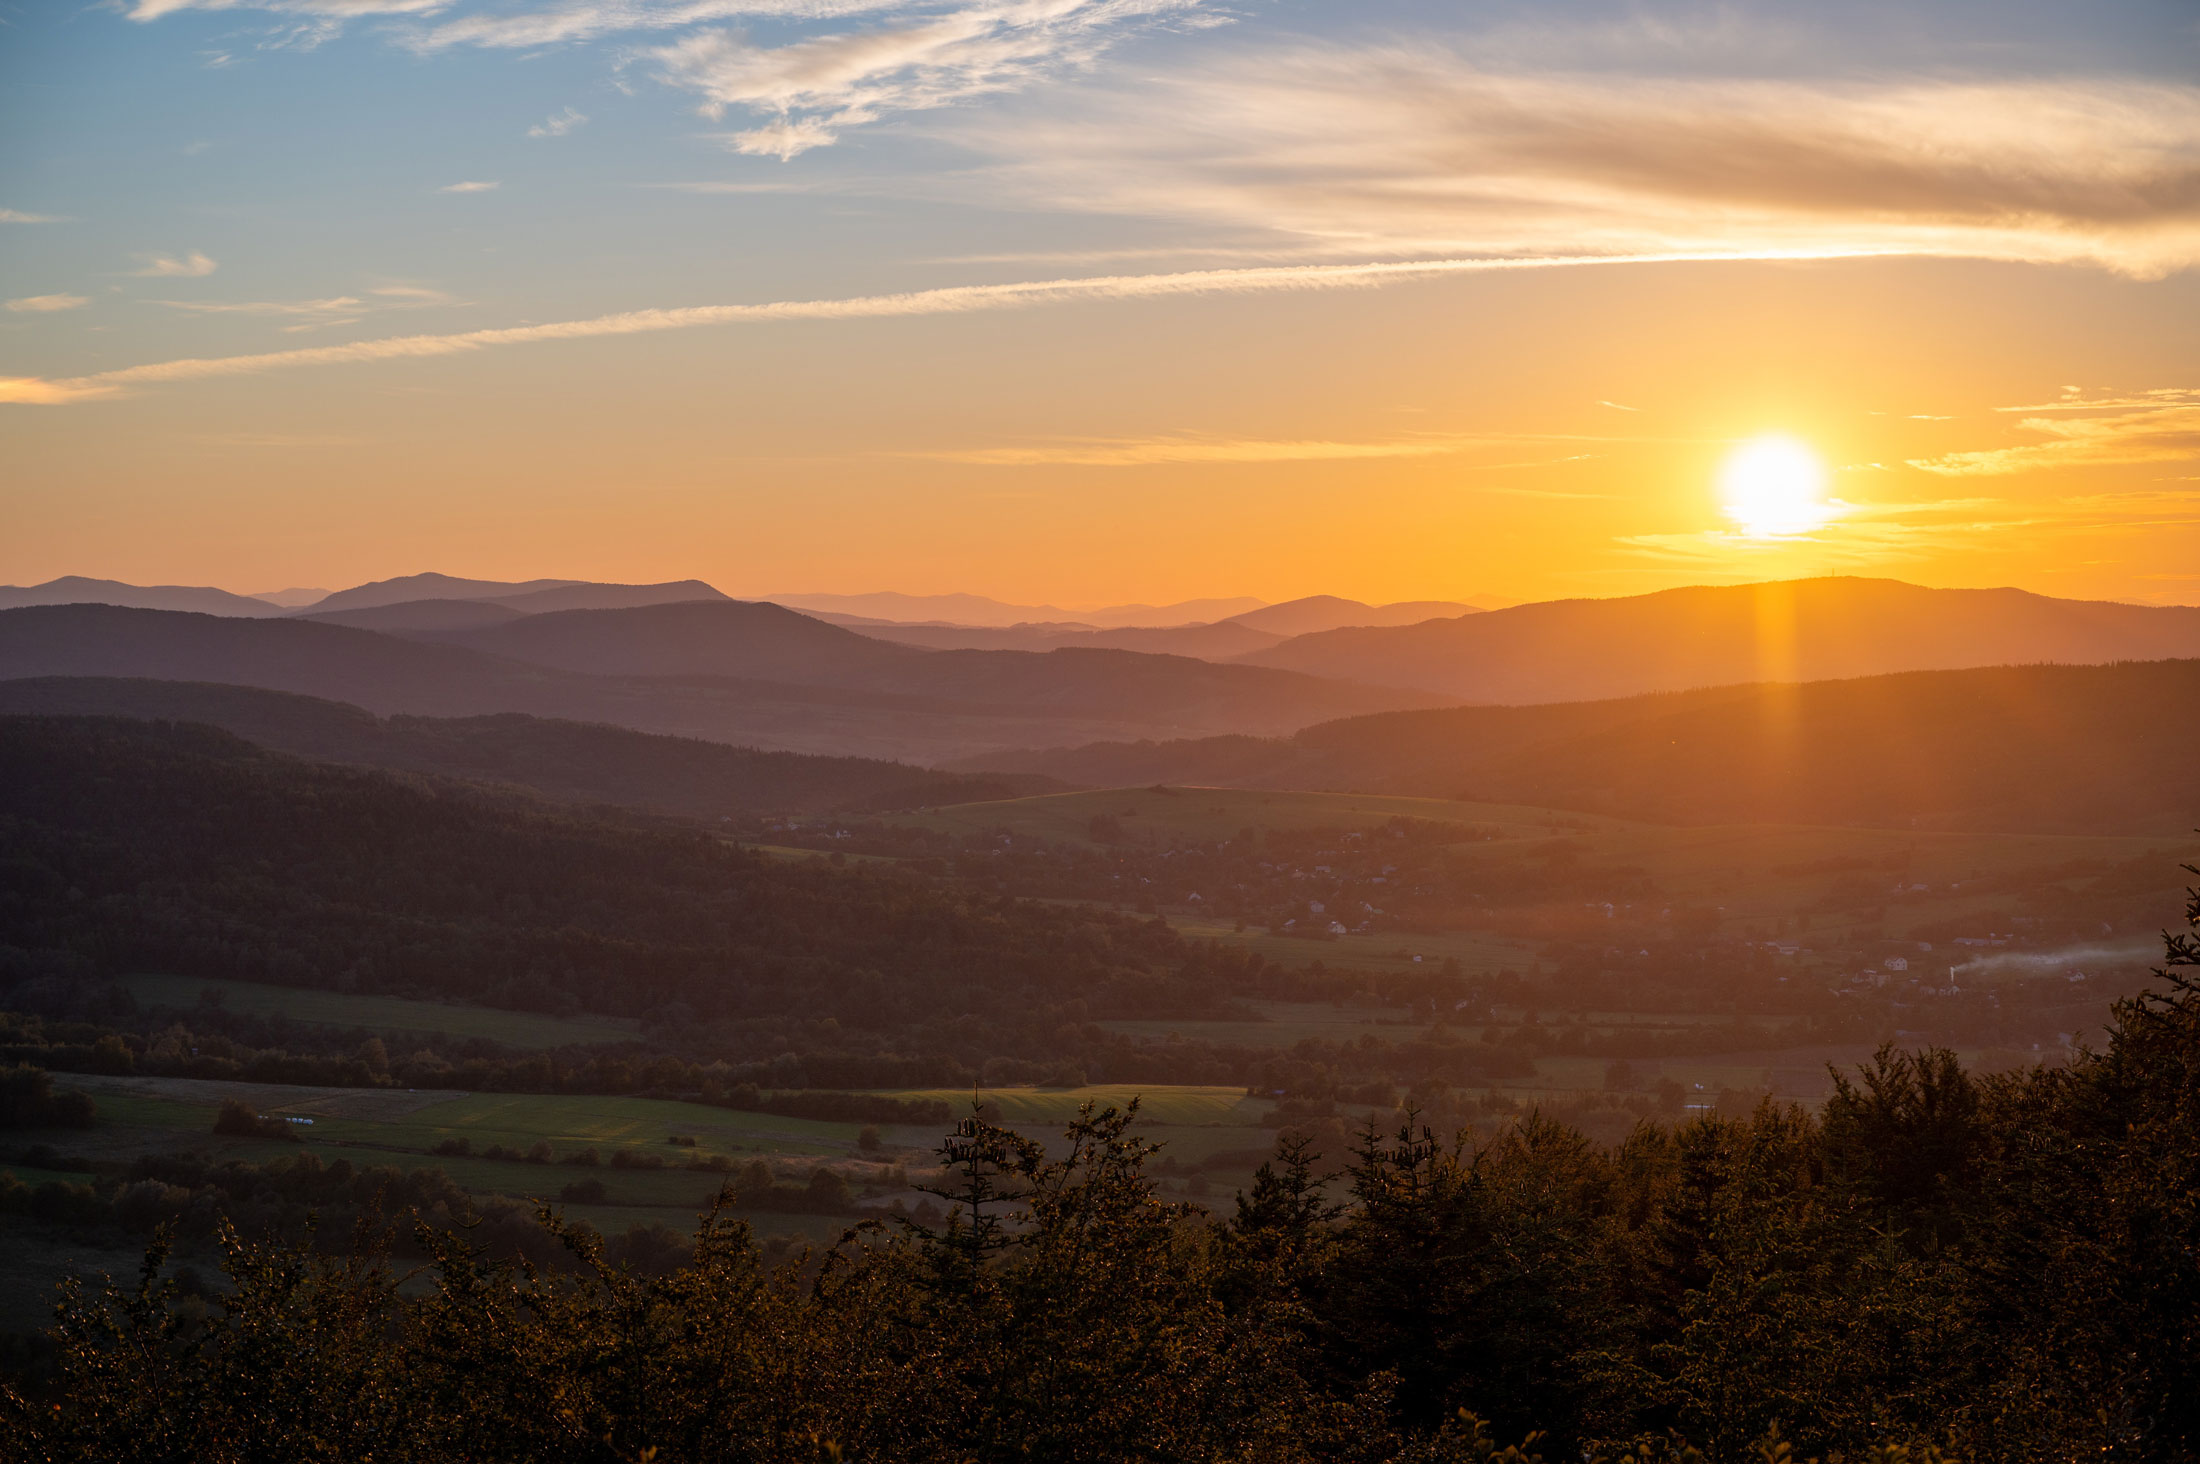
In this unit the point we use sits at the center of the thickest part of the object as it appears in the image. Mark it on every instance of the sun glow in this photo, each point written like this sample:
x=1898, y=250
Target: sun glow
x=1774, y=488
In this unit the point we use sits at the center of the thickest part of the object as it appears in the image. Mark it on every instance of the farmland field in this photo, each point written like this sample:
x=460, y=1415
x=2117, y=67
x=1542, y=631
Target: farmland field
x=381, y=1013
x=1207, y=814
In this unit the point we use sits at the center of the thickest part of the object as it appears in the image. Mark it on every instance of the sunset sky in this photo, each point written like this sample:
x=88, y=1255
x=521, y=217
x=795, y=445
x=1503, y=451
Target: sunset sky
x=1086, y=301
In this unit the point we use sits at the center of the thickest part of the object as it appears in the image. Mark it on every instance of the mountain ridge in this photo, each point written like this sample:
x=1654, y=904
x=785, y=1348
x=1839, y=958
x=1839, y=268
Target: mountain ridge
x=1693, y=636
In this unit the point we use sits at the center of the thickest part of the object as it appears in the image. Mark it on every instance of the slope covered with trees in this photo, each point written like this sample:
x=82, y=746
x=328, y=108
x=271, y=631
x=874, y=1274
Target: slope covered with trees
x=582, y=762
x=138, y=846
x=2048, y=749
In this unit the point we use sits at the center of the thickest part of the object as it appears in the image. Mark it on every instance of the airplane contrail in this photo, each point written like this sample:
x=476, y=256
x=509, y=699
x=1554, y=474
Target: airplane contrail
x=956, y=299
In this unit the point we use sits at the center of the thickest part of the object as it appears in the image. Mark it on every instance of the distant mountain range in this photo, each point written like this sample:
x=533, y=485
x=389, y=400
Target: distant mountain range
x=1211, y=630
x=1217, y=642
x=2046, y=749
x=1789, y=630
x=527, y=597
x=1222, y=640
x=728, y=671
x=574, y=762
x=75, y=589
x=978, y=610
x=682, y=658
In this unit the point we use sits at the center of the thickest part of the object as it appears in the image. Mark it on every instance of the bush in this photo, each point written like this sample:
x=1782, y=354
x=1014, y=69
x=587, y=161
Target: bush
x=241, y=1120
x=583, y=1192
x=28, y=1100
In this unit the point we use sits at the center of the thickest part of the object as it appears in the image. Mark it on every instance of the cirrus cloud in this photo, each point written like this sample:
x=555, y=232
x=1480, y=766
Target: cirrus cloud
x=1412, y=149
x=2159, y=426
x=190, y=266
x=46, y=304
x=816, y=87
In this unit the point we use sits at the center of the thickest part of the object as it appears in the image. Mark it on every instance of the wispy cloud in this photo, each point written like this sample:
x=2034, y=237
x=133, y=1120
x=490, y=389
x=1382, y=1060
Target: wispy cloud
x=559, y=125
x=1186, y=448
x=17, y=216
x=305, y=315
x=470, y=186
x=813, y=89
x=587, y=20
x=1416, y=148
x=2160, y=426
x=959, y=299
x=149, y=10
x=46, y=304
x=169, y=267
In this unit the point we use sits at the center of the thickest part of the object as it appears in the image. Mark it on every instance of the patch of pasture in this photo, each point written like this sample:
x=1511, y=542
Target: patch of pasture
x=381, y=1013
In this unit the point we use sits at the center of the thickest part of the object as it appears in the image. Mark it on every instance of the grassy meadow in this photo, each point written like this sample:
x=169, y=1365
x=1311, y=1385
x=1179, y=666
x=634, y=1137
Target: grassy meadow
x=388, y=1014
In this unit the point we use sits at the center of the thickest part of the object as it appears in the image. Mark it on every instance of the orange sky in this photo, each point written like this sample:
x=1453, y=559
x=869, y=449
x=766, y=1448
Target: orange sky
x=2007, y=390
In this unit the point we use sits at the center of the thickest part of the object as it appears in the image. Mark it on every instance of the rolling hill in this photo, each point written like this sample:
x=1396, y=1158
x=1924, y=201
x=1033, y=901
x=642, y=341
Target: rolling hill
x=429, y=586
x=528, y=597
x=890, y=606
x=1797, y=630
x=673, y=669
x=767, y=642
x=1216, y=642
x=408, y=616
x=1317, y=613
x=75, y=589
x=2047, y=749
x=576, y=762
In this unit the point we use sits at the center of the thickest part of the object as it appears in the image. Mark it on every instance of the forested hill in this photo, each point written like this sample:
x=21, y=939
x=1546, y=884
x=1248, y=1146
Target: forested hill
x=137, y=846
x=2046, y=749
x=583, y=762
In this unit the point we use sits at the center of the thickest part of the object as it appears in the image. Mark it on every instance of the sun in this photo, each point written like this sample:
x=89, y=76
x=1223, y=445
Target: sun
x=1774, y=488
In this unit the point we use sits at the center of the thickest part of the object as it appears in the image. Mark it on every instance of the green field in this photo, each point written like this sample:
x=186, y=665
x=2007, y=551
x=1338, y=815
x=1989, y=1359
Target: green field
x=1204, y=815
x=1168, y=1106
x=382, y=1013
x=1287, y=1025
x=395, y=1127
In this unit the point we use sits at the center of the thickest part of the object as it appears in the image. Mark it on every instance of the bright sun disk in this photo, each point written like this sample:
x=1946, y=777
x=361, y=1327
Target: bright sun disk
x=1774, y=488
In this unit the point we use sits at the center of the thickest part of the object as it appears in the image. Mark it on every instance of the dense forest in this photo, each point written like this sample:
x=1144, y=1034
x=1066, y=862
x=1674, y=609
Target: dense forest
x=177, y=848
x=578, y=762
x=2006, y=1268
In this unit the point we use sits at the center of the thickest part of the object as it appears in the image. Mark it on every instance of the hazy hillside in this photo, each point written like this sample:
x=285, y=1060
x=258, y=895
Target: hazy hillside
x=431, y=586
x=1802, y=630
x=420, y=615
x=769, y=642
x=697, y=638
x=1219, y=641
x=575, y=761
x=609, y=597
x=75, y=589
x=981, y=610
x=2094, y=749
x=1317, y=613
x=890, y=702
